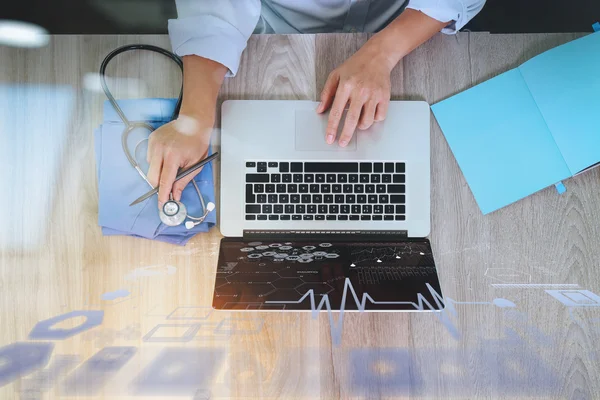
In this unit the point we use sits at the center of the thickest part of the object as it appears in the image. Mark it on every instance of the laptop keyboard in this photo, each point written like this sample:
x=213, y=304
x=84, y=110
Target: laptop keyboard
x=332, y=191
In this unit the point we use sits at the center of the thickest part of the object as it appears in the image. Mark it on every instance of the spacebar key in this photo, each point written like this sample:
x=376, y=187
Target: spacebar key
x=330, y=167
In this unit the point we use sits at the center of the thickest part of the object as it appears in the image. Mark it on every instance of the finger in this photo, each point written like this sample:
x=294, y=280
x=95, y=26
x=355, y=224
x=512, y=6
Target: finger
x=381, y=110
x=154, y=169
x=328, y=92
x=182, y=184
x=352, y=118
x=368, y=114
x=337, y=109
x=167, y=177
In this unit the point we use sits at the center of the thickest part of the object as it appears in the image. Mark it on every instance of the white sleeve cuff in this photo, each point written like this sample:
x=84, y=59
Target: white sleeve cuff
x=456, y=12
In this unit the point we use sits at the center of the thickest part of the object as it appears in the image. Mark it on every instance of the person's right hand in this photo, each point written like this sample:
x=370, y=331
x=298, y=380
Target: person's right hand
x=177, y=144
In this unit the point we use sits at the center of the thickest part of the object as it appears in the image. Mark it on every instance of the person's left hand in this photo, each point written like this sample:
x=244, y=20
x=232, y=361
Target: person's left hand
x=363, y=81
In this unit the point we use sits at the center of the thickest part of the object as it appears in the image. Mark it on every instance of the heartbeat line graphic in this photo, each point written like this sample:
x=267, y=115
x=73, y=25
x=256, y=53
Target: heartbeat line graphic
x=444, y=307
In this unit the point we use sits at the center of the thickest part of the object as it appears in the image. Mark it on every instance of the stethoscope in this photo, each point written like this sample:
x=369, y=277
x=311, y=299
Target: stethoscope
x=172, y=213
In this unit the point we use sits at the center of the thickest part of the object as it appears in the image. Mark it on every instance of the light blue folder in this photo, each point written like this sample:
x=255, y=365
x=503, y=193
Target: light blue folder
x=528, y=128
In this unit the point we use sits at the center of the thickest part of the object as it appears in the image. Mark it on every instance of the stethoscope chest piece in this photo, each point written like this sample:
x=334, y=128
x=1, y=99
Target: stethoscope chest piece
x=173, y=213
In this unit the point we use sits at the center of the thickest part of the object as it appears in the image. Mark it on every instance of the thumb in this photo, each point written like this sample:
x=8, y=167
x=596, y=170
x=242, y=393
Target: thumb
x=182, y=183
x=328, y=92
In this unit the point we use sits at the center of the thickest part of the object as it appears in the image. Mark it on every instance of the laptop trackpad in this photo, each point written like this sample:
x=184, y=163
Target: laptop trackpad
x=310, y=132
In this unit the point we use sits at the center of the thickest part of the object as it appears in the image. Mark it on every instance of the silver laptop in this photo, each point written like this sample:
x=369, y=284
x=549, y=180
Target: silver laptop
x=285, y=193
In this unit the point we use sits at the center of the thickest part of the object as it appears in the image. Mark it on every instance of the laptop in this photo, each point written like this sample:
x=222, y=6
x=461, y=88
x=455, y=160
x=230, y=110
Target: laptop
x=311, y=226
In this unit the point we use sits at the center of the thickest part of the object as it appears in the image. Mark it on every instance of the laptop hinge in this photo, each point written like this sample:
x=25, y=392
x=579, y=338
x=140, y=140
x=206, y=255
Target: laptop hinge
x=325, y=235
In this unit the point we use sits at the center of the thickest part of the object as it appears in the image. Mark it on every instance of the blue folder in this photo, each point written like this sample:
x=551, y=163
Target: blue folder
x=528, y=128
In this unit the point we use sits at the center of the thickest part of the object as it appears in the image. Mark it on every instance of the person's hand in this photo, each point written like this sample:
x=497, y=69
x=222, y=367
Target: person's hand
x=177, y=144
x=363, y=81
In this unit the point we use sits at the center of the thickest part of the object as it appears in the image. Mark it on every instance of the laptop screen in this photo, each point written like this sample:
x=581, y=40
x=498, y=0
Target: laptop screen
x=306, y=275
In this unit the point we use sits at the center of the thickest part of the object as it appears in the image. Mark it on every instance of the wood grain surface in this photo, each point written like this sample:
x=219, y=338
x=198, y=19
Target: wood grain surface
x=478, y=348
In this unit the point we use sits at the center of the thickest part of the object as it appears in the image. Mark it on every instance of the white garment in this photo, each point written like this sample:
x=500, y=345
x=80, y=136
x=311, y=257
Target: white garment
x=219, y=29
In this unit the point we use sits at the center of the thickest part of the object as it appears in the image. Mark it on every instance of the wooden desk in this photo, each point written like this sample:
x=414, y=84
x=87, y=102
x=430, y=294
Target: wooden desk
x=485, y=349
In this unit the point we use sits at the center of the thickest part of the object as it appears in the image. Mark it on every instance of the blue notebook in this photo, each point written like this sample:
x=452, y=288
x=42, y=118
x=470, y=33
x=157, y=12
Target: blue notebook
x=528, y=128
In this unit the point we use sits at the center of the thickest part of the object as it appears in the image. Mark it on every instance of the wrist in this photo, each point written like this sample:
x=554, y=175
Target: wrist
x=382, y=52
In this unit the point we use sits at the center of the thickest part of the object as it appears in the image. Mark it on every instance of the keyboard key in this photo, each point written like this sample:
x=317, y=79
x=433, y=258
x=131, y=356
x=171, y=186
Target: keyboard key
x=252, y=209
x=275, y=178
x=345, y=209
x=272, y=164
x=259, y=188
x=261, y=217
x=300, y=209
x=347, y=188
x=272, y=198
x=250, y=197
x=319, y=217
x=400, y=217
x=317, y=198
x=366, y=167
x=387, y=178
x=350, y=198
x=325, y=188
x=331, y=217
x=284, y=217
x=281, y=188
x=365, y=217
x=375, y=178
x=270, y=188
x=296, y=217
x=303, y=188
x=369, y=188
x=399, y=168
x=255, y=178
x=353, y=178
x=356, y=209
x=389, y=209
x=331, y=178
x=284, y=167
x=311, y=209
x=372, y=198
x=380, y=188
x=361, y=198
x=250, y=217
x=261, y=198
x=295, y=198
x=359, y=188
x=364, y=179
x=398, y=178
x=328, y=198
x=367, y=209
x=330, y=167
x=334, y=209
x=306, y=198
x=278, y=209
x=267, y=209
x=308, y=217
x=395, y=188
x=339, y=198
x=377, y=217
x=389, y=167
x=286, y=178
x=320, y=178
x=336, y=188
x=250, y=164
x=262, y=167
x=284, y=198
x=273, y=217
x=309, y=178
x=397, y=199
x=292, y=188
x=342, y=178
x=322, y=209
x=314, y=188
x=297, y=178
x=289, y=209
x=354, y=217
x=342, y=217
x=388, y=217
x=378, y=209
x=296, y=167
x=400, y=209
x=378, y=167
x=384, y=198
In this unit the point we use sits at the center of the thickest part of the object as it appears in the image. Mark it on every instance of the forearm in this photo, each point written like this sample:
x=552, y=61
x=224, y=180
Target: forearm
x=407, y=32
x=202, y=80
